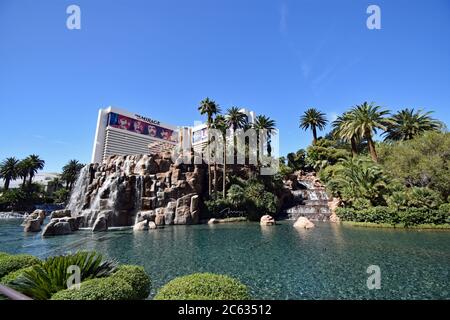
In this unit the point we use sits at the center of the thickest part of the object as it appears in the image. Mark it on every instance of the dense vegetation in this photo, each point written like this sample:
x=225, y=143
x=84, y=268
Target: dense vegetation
x=403, y=180
x=30, y=194
x=203, y=286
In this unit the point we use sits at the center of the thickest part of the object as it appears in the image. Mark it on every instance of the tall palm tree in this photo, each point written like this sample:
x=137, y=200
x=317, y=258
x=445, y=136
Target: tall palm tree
x=209, y=108
x=70, y=172
x=35, y=164
x=219, y=123
x=314, y=119
x=340, y=131
x=23, y=168
x=364, y=121
x=235, y=119
x=406, y=124
x=265, y=123
x=9, y=171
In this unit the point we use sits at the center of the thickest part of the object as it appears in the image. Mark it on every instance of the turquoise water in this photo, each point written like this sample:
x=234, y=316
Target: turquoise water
x=280, y=262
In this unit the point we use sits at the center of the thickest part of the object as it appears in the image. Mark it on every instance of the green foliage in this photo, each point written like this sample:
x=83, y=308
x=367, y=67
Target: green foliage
x=43, y=280
x=12, y=198
x=61, y=195
x=111, y=288
x=445, y=208
x=236, y=195
x=421, y=162
x=11, y=263
x=358, y=178
x=12, y=277
x=203, y=286
x=324, y=154
x=137, y=278
x=407, y=217
x=297, y=161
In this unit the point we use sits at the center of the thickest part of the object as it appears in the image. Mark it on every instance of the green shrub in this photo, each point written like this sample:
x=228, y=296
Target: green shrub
x=203, y=286
x=12, y=277
x=10, y=263
x=42, y=281
x=424, y=198
x=4, y=254
x=137, y=278
x=408, y=217
x=111, y=288
x=445, y=208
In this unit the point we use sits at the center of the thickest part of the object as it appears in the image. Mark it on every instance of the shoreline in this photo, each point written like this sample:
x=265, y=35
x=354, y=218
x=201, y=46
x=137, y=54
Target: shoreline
x=444, y=227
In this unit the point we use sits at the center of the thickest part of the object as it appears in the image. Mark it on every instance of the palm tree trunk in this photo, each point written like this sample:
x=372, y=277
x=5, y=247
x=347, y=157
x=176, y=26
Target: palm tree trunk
x=30, y=180
x=24, y=181
x=314, y=135
x=224, y=183
x=354, y=149
x=215, y=179
x=209, y=165
x=6, y=186
x=373, y=151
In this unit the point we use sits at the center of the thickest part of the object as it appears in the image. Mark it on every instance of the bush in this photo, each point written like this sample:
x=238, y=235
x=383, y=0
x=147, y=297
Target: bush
x=11, y=263
x=44, y=280
x=408, y=217
x=12, y=277
x=424, y=198
x=137, y=278
x=4, y=254
x=445, y=208
x=203, y=286
x=111, y=288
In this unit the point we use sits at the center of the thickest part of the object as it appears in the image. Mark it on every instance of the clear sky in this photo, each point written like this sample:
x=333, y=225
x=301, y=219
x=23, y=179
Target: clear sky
x=160, y=58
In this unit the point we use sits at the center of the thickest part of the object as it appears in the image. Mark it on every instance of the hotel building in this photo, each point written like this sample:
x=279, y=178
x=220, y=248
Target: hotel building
x=120, y=132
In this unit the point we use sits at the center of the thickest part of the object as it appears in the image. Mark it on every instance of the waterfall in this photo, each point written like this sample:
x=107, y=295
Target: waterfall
x=78, y=195
x=311, y=202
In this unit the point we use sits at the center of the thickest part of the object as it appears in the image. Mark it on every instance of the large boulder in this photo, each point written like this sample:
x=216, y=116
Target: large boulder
x=56, y=227
x=141, y=226
x=73, y=222
x=183, y=215
x=100, y=224
x=333, y=205
x=61, y=214
x=32, y=225
x=267, y=220
x=152, y=225
x=303, y=223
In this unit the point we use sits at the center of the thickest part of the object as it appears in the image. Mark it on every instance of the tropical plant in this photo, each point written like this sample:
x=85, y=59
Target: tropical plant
x=11, y=263
x=358, y=178
x=203, y=286
x=236, y=195
x=313, y=119
x=209, y=108
x=363, y=121
x=34, y=165
x=9, y=171
x=407, y=124
x=44, y=280
x=341, y=130
x=263, y=123
x=23, y=168
x=70, y=172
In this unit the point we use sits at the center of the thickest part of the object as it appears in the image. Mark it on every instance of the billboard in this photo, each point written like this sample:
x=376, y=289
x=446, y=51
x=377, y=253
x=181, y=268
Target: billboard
x=119, y=121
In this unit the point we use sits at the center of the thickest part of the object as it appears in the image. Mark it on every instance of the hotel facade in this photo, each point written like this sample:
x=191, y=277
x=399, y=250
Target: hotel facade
x=120, y=132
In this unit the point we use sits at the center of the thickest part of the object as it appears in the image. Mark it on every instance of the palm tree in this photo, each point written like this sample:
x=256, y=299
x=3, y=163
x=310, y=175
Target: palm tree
x=364, y=121
x=35, y=164
x=70, y=172
x=314, y=119
x=210, y=108
x=220, y=123
x=264, y=123
x=9, y=171
x=407, y=124
x=340, y=131
x=235, y=119
x=23, y=168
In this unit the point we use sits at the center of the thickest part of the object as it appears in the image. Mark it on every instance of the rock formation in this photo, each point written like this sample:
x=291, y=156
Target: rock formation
x=303, y=223
x=267, y=220
x=33, y=222
x=127, y=190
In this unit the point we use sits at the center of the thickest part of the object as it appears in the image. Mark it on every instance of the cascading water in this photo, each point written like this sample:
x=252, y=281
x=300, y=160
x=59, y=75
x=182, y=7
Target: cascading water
x=79, y=191
x=310, y=202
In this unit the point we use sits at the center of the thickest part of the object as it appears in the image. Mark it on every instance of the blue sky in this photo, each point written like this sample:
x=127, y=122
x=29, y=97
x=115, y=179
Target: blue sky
x=160, y=58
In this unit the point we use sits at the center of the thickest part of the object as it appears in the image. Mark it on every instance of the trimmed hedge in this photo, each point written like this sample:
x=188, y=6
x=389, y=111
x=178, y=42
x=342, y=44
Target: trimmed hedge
x=137, y=278
x=4, y=254
x=111, y=288
x=10, y=263
x=408, y=217
x=12, y=276
x=203, y=286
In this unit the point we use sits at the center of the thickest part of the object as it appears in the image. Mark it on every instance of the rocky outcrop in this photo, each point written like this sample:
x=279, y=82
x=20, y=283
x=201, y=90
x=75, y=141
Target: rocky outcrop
x=32, y=225
x=101, y=223
x=61, y=214
x=303, y=223
x=267, y=220
x=137, y=188
x=57, y=227
x=141, y=226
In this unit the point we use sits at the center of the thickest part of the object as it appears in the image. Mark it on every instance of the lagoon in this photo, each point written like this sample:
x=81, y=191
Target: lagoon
x=279, y=262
